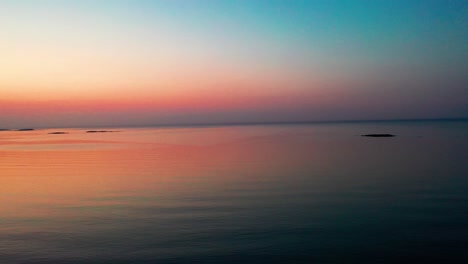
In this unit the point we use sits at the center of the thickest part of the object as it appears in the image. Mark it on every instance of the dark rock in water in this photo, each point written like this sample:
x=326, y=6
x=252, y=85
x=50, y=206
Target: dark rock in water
x=25, y=129
x=378, y=135
x=99, y=131
x=58, y=133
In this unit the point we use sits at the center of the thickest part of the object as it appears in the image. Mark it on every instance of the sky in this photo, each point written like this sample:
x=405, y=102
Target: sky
x=140, y=62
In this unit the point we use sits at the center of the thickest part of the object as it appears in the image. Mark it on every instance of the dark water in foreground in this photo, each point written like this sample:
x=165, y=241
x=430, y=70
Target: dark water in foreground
x=237, y=194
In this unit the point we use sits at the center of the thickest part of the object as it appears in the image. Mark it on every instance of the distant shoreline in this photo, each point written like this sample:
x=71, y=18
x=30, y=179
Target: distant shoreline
x=256, y=123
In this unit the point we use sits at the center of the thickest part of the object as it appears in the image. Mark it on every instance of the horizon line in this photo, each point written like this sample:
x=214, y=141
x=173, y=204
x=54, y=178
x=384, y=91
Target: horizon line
x=207, y=124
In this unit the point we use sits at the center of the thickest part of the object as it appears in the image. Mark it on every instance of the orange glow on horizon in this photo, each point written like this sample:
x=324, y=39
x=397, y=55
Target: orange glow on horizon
x=197, y=102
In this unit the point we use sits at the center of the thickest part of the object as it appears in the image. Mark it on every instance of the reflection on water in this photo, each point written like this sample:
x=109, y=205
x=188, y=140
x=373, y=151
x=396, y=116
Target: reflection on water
x=252, y=194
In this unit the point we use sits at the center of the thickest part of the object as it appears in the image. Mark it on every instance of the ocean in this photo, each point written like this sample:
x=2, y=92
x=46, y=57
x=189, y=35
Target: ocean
x=284, y=193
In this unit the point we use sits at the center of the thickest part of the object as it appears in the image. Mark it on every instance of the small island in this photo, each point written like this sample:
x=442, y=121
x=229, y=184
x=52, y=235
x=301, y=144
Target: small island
x=100, y=131
x=58, y=133
x=378, y=135
x=25, y=129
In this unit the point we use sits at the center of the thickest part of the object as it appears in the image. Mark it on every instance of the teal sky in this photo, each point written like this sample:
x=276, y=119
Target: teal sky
x=172, y=61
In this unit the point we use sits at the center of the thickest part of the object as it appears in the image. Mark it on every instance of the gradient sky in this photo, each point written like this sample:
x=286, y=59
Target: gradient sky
x=135, y=62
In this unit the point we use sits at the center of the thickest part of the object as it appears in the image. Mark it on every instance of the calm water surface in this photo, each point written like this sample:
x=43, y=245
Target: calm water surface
x=236, y=194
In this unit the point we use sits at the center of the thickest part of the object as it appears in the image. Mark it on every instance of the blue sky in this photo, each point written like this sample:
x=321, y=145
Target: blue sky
x=175, y=61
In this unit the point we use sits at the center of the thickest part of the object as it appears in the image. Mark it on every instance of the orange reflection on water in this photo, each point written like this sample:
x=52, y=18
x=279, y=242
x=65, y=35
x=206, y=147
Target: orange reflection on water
x=35, y=179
